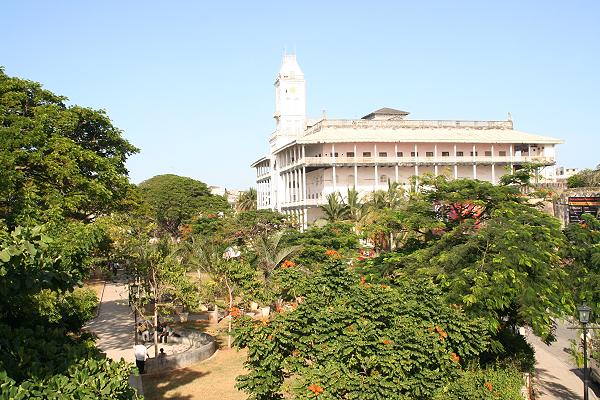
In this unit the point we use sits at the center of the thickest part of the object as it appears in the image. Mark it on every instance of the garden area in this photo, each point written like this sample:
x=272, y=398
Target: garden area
x=395, y=294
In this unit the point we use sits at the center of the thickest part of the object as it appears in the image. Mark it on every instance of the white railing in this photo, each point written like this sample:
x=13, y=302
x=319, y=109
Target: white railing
x=316, y=161
x=366, y=123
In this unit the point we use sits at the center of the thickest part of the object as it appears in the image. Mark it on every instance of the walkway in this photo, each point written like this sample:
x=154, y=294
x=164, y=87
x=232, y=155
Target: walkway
x=114, y=327
x=557, y=378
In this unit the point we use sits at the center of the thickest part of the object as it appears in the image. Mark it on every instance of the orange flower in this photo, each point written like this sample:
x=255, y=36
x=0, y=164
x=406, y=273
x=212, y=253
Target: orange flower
x=265, y=321
x=316, y=389
x=387, y=342
x=270, y=337
x=235, y=312
x=488, y=386
x=332, y=254
x=440, y=331
x=288, y=264
x=455, y=358
x=363, y=280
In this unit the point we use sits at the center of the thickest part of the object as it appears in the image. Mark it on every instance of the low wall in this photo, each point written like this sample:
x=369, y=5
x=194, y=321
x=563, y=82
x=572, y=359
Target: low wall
x=202, y=346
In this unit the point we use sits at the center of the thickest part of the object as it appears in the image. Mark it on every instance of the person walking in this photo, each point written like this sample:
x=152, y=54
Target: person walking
x=140, y=357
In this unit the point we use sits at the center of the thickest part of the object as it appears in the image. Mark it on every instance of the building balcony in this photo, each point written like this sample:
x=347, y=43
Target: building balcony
x=410, y=161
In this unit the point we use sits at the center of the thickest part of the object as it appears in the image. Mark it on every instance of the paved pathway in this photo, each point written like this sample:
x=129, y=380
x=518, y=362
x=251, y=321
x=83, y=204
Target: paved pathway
x=556, y=376
x=114, y=326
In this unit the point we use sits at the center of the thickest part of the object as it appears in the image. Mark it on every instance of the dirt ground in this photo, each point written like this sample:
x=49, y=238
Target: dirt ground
x=212, y=379
x=97, y=285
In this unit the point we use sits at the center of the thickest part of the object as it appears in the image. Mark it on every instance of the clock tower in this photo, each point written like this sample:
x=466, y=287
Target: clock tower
x=290, y=102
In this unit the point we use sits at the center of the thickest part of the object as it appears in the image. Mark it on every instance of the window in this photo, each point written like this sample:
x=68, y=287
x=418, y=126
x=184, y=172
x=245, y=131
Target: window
x=335, y=154
x=366, y=154
x=351, y=179
x=488, y=153
x=383, y=179
x=459, y=154
x=350, y=154
x=474, y=154
x=502, y=153
x=399, y=154
x=382, y=154
x=412, y=154
x=445, y=154
x=429, y=154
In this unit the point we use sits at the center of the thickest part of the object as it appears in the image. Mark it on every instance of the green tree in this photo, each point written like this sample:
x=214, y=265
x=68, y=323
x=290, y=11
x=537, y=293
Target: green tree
x=335, y=209
x=174, y=200
x=56, y=161
x=350, y=339
x=246, y=201
x=585, y=178
x=493, y=251
x=582, y=256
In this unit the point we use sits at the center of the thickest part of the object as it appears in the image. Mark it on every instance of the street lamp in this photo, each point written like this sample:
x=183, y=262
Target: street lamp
x=133, y=295
x=584, y=318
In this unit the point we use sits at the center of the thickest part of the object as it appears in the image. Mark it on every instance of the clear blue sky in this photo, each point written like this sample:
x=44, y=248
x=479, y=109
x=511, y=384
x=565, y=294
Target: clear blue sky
x=191, y=83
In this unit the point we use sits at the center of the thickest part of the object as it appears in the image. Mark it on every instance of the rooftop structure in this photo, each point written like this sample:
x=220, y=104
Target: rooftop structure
x=311, y=159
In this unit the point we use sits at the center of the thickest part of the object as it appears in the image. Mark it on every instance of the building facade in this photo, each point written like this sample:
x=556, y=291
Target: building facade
x=310, y=159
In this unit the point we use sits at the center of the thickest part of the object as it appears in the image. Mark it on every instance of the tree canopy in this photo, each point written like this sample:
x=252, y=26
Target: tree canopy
x=61, y=167
x=55, y=159
x=174, y=200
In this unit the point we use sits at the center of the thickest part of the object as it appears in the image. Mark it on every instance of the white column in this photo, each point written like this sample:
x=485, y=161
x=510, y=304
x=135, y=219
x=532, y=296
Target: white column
x=528, y=152
x=435, y=157
x=474, y=163
x=511, y=159
x=493, y=167
x=396, y=166
x=415, y=160
x=376, y=172
x=355, y=169
x=304, y=185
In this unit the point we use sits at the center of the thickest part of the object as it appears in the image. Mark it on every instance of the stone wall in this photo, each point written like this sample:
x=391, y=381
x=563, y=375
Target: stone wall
x=202, y=346
x=561, y=206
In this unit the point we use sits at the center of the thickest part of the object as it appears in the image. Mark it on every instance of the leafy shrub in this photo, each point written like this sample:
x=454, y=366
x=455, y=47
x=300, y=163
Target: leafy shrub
x=350, y=339
x=88, y=379
x=480, y=384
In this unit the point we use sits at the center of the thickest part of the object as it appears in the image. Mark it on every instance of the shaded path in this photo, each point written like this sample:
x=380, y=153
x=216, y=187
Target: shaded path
x=556, y=376
x=114, y=327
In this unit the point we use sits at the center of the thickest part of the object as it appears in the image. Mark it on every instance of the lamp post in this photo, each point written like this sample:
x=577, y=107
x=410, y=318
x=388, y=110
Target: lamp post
x=584, y=318
x=133, y=294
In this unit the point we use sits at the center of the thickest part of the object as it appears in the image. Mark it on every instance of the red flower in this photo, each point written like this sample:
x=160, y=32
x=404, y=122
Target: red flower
x=488, y=386
x=440, y=331
x=455, y=358
x=316, y=389
x=332, y=253
x=288, y=264
x=387, y=342
x=235, y=312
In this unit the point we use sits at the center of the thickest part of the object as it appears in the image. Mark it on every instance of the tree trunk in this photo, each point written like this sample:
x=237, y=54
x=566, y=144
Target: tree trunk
x=155, y=313
x=230, y=293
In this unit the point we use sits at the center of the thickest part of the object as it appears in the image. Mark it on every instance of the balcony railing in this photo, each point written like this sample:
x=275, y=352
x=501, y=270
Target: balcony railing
x=325, y=161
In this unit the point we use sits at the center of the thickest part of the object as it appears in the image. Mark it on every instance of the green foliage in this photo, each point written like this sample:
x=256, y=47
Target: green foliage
x=316, y=241
x=335, y=209
x=87, y=379
x=492, y=252
x=582, y=254
x=480, y=384
x=56, y=161
x=585, y=178
x=359, y=341
x=516, y=352
x=247, y=200
x=174, y=200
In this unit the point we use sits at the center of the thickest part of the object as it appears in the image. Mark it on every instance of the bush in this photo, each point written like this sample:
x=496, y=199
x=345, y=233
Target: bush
x=498, y=383
x=78, y=307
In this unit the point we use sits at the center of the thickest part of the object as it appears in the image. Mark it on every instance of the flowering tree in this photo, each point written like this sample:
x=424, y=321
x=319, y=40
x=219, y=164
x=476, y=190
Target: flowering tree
x=349, y=339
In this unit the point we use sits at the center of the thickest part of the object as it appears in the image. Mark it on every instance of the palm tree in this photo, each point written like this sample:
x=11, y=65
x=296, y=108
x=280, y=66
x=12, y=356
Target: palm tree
x=246, y=201
x=355, y=206
x=335, y=209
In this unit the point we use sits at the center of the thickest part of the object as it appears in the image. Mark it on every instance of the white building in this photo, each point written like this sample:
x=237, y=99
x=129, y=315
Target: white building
x=310, y=159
